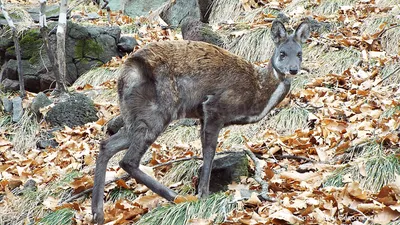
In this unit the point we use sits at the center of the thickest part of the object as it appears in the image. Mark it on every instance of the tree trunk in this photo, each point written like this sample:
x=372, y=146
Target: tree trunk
x=61, y=30
x=17, y=49
x=49, y=51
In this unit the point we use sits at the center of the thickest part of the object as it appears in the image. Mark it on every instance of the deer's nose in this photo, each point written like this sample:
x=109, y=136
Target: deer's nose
x=293, y=71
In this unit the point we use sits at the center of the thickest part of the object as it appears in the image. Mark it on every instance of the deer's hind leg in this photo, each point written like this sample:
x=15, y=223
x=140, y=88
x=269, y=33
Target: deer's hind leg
x=108, y=148
x=144, y=131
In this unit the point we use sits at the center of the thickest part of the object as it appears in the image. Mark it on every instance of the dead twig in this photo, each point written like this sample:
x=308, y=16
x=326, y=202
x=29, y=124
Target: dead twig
x=258, y=176
x=389, y=28
x=294, y=157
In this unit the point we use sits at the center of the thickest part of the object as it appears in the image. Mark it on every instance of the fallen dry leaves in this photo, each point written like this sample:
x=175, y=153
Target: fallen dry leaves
x=346, y=110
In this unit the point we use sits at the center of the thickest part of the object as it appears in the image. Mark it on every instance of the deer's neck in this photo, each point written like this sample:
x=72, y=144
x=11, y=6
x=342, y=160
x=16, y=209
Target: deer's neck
x=273, y=89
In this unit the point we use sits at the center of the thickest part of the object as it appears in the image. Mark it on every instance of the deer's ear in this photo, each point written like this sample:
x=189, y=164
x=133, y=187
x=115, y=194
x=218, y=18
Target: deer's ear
x=302, y=32
x=278, y=32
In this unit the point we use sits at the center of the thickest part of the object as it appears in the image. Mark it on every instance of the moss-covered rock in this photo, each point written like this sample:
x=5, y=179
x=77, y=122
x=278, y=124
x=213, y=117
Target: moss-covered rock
x=76, y=111
x=31, y=42
x=87, y=48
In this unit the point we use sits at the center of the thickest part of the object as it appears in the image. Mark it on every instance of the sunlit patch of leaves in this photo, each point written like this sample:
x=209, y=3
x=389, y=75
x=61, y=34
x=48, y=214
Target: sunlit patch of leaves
x=216, y=207
x=58, y=217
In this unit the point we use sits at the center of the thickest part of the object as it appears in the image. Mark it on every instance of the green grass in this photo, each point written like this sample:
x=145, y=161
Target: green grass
x=289, y=120
x=183, y=172
x=216, y=206
x=58, y=217
x=121, y=193
x=336, y=179
x=381, y=167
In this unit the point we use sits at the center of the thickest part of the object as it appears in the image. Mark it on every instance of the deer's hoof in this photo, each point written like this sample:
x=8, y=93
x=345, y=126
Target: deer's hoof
x=202, y=194
x=98, y=218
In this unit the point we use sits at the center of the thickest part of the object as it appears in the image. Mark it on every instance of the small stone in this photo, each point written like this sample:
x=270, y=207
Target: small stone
x=45, y=143
x=93, y=16
x=30, y=185
x=127, y=44
x=18, y=110
x=7, y=104
x=41, y=100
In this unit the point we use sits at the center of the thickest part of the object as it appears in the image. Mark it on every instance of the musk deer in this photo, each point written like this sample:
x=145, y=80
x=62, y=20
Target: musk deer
x=168, y=80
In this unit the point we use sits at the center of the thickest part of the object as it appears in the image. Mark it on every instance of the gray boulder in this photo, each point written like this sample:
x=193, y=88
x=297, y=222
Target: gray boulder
x=127, y=44
x=135, y=8
x=77, y=110
x=176, y=11
x=10, y=85
x=86, y=47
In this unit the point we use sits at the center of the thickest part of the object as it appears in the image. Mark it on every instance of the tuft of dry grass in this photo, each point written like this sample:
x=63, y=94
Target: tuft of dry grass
x=390, y=38
x=96, y=76
x=391, y=74
x=255, y=46
x=324, y=61
x=179, y=134
x=223, y=10
x=289, y=119
x=325, y=8
x=25, y=132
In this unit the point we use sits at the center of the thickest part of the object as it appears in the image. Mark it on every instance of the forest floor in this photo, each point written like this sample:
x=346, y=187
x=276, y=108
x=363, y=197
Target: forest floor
x=330, y=151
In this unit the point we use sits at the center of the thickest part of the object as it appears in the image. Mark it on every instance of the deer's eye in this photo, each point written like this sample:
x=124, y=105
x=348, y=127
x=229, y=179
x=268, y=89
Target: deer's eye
x=282, y=55
x=299, y=54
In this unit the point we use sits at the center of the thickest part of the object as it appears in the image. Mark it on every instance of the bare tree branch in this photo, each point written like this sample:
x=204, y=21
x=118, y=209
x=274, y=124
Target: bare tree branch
x=258, y=176
x=17, y=49
x=61, y=30
x=49, y=51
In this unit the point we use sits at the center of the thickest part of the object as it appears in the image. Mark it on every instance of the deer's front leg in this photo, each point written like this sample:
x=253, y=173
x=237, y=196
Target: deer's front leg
x=209, y=137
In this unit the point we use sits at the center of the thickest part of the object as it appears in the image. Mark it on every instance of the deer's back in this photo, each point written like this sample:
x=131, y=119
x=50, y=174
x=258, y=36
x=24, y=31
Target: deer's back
x=184, y=73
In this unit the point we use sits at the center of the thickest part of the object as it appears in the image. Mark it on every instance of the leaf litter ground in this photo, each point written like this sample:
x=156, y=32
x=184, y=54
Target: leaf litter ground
x=344, y=167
